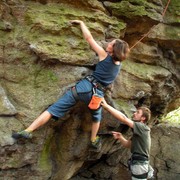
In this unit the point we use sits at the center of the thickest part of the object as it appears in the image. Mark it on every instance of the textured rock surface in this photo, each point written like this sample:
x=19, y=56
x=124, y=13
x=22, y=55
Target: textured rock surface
x=41, y=55
x=165, y=151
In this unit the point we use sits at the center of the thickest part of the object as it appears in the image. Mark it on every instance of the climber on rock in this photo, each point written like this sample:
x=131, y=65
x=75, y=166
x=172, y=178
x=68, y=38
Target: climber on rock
x=106, y=71
x=139, y=143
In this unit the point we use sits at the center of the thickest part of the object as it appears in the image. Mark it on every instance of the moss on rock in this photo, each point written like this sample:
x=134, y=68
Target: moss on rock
x=125, y=107
x=172, y=14
x=54, y=36
x=165, y=32
x=145, y=72
x=44, y=161
x=134, y=8
x=172, y=117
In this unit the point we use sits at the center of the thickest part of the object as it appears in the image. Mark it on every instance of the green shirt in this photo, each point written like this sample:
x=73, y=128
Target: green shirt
x=141, y=139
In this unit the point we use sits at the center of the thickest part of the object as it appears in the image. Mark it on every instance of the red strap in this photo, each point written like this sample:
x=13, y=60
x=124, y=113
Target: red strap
x=163, y=14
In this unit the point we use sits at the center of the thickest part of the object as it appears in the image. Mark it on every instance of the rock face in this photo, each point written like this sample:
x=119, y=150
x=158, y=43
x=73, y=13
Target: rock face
x=42, y=54
x=165, y=151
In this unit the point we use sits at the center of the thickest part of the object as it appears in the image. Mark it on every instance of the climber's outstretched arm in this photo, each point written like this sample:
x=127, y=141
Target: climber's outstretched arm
x=117, y=114
x=89, y=38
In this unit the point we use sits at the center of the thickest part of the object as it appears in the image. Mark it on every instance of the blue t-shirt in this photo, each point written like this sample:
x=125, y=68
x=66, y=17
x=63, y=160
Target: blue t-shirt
x=106, y=71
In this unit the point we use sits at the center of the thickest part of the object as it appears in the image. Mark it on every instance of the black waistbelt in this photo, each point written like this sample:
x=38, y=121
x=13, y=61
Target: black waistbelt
x=140, y=157
x=141, y=176
x=95, y=83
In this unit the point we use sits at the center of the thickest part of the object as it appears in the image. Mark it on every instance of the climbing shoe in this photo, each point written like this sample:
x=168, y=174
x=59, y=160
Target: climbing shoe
x=96, y=145
x=22, y=134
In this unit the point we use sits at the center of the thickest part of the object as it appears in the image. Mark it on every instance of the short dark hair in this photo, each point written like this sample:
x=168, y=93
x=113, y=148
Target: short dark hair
x=120, y=50
x=146, y=113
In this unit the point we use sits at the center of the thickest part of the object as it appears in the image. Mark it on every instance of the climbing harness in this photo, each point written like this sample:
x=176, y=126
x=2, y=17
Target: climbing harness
x=96, y=98
x=138, y=160
x=74, y=92
x=163, y=14
x=95, y=83
x=140, y=157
